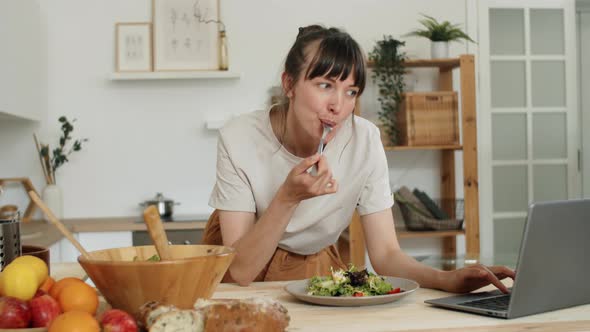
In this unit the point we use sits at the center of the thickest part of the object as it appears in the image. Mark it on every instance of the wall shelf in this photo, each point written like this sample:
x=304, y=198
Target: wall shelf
x=432, y=63
x=173, y=75
x=425, y=147
x=432, y=234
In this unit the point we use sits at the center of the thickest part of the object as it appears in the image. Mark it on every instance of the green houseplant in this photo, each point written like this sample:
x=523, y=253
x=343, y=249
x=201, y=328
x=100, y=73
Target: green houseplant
x=388, y=72
x=52, y=159
x=440, y=34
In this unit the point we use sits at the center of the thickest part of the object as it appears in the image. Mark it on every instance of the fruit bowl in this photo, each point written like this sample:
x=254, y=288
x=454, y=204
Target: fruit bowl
x=127, y=280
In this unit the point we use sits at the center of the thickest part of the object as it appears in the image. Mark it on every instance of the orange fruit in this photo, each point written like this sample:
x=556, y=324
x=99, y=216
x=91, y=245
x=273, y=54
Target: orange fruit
x=60, y=284
x=78, y=296
x=74, y=321
x=46, y=285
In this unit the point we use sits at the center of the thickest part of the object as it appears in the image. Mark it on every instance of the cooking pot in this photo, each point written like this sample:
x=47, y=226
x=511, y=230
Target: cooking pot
x=165, y=206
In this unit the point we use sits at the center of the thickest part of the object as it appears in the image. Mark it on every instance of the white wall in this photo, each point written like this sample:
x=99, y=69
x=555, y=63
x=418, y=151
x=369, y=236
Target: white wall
x=148, y=136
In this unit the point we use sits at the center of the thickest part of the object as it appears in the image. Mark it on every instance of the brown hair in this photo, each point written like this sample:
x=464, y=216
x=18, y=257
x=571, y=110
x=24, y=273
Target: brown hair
x=338, y=55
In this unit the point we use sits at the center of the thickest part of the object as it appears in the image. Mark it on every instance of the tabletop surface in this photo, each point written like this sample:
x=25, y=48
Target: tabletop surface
x=410, y=313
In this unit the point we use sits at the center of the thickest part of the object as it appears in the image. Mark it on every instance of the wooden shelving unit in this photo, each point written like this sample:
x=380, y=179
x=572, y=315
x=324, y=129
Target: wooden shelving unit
x=466, y=65
x=175, y=75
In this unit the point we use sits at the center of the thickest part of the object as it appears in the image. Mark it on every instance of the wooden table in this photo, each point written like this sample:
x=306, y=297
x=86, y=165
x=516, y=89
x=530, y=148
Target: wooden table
x=407, y=314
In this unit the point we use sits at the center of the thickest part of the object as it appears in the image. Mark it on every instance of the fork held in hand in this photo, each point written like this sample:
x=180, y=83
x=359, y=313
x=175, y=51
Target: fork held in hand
x=327, y=130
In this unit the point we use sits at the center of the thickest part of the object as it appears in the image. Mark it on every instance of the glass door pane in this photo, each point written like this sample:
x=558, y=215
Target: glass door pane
x=550, y=182
x=507, y=235
x=549, y=136
x=506, y=31
x=548, y=83
x=547, y=31
x=508, y=83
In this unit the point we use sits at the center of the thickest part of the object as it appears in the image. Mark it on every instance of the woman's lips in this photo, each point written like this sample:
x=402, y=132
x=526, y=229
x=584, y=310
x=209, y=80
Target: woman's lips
x=328, y=123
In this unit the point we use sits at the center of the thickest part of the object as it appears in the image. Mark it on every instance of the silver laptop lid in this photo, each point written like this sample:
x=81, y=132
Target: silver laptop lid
x=553, y=264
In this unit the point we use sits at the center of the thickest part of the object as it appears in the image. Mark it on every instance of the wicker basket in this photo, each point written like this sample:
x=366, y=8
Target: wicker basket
x=417, y=220
x=428, y=118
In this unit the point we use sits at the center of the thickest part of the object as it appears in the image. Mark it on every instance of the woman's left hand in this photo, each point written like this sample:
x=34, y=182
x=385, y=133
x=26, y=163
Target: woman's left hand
x=476, y=276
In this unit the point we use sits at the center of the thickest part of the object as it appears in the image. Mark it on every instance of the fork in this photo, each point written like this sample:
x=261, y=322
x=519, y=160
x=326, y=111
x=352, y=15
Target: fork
x=327, y=130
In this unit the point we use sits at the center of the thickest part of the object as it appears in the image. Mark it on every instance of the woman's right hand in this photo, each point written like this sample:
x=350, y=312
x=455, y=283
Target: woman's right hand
x=300, y=185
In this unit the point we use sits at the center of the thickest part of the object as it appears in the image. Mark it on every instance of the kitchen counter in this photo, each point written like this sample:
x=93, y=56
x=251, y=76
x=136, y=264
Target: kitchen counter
x=409, y=313
x=41, y=233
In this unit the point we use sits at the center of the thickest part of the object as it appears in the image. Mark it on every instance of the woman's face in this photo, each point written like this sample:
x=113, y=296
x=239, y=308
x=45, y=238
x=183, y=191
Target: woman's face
x=322, y=101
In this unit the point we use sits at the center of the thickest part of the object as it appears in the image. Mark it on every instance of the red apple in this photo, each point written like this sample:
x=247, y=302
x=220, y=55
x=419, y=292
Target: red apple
x=39, y=292
x=115, y=320
x=14, y=313
x=43, y=310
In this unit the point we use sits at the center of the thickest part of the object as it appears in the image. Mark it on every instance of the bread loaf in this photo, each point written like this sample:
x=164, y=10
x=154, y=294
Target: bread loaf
x=178, y=321
x=248, y=315
x=254, y=314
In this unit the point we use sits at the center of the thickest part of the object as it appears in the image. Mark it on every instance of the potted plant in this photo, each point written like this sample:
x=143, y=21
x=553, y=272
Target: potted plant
x=388, y=73
x=440, y=34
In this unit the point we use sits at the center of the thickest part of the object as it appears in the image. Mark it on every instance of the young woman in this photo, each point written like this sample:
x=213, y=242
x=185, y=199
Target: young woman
x=283, y=219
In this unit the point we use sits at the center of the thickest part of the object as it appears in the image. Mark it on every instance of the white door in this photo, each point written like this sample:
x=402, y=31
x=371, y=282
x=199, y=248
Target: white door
x=528, y=114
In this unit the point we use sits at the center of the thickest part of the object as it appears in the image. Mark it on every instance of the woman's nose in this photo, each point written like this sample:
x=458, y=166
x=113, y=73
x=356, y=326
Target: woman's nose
x=335, y=105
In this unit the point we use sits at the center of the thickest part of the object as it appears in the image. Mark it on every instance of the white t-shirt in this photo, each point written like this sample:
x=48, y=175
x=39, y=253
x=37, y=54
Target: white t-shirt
x=252, y=165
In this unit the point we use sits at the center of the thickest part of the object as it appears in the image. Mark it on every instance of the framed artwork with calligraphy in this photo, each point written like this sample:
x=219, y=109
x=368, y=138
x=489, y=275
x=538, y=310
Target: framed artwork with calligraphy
x=133, y=47
x=186, y=34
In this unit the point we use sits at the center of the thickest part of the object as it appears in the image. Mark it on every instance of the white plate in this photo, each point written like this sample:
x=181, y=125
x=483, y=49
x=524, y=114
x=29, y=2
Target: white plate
x=299, y=290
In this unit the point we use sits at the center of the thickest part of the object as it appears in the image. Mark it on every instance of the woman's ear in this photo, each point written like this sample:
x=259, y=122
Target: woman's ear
x=287, y=83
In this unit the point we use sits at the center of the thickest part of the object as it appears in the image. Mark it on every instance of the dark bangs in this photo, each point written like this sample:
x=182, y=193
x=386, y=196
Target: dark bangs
x=337, y=57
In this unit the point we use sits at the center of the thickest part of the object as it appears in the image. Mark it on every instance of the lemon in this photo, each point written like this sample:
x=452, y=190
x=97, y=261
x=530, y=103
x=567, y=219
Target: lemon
x=20, y=281
x=36, y=263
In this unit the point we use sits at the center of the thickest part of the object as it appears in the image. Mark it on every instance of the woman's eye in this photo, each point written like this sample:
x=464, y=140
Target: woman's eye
x=324, y=85
x=352, y=93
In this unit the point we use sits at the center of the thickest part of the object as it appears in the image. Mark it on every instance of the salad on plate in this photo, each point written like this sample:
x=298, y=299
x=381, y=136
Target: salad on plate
x=350, y=282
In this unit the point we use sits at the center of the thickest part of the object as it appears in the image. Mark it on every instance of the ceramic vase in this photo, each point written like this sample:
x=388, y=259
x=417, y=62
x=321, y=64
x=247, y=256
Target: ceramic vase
x=53, y=198
x=439, y=50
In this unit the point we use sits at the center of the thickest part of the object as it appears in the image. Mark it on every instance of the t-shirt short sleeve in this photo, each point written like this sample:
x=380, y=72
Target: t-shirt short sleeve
x=376, y=194
x=232, y=190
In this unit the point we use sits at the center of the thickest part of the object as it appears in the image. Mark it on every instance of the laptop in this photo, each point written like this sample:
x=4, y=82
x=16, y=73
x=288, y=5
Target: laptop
x=552, y=270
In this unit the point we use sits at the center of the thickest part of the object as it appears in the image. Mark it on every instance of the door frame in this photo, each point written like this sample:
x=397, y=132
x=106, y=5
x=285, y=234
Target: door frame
x=583, y=8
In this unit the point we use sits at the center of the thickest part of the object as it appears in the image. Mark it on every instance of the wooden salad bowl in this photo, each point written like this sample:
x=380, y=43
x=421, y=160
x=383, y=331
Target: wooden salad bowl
x=127, y=280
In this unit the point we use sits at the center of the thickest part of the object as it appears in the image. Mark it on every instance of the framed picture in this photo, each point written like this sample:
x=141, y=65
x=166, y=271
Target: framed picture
x=133, y=47
x=186, y=34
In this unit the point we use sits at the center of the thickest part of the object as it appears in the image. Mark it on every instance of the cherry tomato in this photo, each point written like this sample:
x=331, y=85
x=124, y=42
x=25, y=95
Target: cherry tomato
x=358, y=294
x=394, y=291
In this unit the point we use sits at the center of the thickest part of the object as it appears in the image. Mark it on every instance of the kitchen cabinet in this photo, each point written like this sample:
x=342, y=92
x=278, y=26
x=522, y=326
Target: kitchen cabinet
x=23, y=69
x=178, y=236
x=93, y=241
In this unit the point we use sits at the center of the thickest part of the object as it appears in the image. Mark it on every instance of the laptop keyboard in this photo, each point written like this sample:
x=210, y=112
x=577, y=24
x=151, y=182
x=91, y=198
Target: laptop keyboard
x=498, y=303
